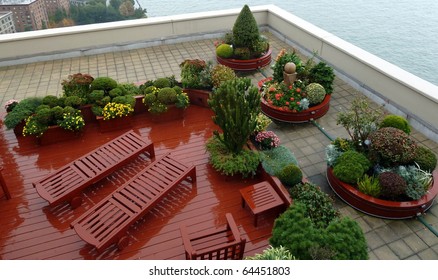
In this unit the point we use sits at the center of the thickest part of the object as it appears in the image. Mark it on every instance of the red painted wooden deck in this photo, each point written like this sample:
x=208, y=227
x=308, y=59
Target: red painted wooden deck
x=30, y=229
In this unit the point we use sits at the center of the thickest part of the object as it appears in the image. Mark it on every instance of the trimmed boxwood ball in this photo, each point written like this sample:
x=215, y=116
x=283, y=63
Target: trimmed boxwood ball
x=354, y=157
x=162, y=83
x=224, y=51
x=425, y=158
x=167, y=95
x=315, y=93
x=397, y=122
x=103, y=83
x=290, y=175
x=348, y=172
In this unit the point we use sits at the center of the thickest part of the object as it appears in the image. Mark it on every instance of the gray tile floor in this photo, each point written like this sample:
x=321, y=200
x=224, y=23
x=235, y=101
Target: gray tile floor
x=387, y=239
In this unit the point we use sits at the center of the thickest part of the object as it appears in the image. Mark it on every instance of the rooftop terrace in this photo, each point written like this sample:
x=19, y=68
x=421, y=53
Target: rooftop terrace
x=31, y=230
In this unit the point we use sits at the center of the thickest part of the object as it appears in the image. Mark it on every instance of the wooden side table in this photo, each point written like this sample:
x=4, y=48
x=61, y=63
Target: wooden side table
x=260, y=198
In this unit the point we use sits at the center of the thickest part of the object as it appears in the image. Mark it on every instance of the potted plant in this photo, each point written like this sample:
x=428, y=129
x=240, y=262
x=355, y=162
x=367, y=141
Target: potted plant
x=18, y=112
x=236, y=104
x=380, y=169
x=79, y=85
x=165, y=100
x=244, y=49
x=301, y=99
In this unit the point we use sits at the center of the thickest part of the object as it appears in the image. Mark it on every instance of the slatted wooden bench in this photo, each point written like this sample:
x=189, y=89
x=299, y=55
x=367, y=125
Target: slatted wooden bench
x=67, y=183
x=260, y=198
x=218, y=244
x=108, y=221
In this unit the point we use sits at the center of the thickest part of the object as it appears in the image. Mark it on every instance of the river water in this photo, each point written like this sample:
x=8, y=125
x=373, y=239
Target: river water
x=403, y=32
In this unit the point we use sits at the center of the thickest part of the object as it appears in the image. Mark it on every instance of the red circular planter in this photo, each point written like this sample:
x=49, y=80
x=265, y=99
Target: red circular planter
x=379, y=207
x=286, y=115
x=247, y=64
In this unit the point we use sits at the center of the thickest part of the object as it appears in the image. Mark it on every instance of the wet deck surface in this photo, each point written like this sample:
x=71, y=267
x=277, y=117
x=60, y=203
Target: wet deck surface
x=33, y=230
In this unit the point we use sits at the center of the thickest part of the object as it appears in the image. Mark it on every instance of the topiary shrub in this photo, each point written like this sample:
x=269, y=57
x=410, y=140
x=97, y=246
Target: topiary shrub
x=224, y=51
x=348, y=172
x=245, y=29
x=273, y=253
x=166, y=95
x=397, y=122
x=57, y=112
x=391, y=146
x=322, y=74
x=315, y=93
x=274, y=160
x=319, y=205
x=352, y=156
x=221, y=73
x=50, y=100
x=103, y=83
x=425, y=158
x=73, y=101
x=369, y=185
x=21, y=111
x=393, y=185
x=290, y=175
x=242, y=53
x=162, y=83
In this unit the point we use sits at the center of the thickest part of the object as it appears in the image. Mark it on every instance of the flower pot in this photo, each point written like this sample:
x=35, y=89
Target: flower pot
x=379, y=207
x=246, y=64
x=286, y=115
x=56, y=134
x=198, y=97
x=172, y=113
x=87, y=114
x=114, y=124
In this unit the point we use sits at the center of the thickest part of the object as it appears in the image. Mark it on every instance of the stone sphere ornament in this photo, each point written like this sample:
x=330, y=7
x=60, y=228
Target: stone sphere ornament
x=290, y=68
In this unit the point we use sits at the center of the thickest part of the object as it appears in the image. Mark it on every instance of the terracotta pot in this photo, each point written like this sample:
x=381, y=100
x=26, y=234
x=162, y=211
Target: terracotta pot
x=286, y=115
x=172, y=113
x=246, y=64
x=56, y=134
x=379, y=207
x=198, y=97
x=114, y=124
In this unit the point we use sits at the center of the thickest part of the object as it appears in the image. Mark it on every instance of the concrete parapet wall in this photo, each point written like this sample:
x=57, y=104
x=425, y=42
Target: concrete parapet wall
x=401, y=92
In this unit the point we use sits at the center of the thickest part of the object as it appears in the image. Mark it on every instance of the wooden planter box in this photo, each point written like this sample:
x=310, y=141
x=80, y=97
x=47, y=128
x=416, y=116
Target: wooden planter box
x=87, y=114
x=114, y=124
x=247, y=64
x=173, y=113
x=18, y=129
x=286, y=115
x=379, y=207
x=139, y=106
x=198, y=97
x=56, y=134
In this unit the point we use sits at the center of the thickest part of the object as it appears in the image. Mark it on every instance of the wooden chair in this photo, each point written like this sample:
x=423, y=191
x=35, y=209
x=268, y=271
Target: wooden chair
x=67, y=183
x=108, y=221
x=216, y=244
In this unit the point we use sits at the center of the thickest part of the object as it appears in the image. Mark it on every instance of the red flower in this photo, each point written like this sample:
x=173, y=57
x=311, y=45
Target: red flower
x=298, y=90
x=298, y=103
x=287, y=103
x=292, y=99
x=290, y=87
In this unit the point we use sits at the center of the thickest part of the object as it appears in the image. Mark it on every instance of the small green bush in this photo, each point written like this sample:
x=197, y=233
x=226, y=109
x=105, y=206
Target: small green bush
x=393, y=185
x=57, y=112
x=125, y=99
x=391, y=146
x=221, y=73
x=315, y=93
x=348, y=172
x=274, y=160
x=322, y=74
x=352, y=156
x=103, y=83
x=245, y=29
x=224, y=51
x=397, y=122
x=273, y=253
x=70, y=110
x=44, y=116
x=278, y=67
x=242, y=53
x=162, y=83
x=96, y=97
x=290, y=175
x=167, y=96
x=425, y=158
x=50, y=100
x=118, y=91
x=130, y=89
x=319, y=205
x=369, y=185
x=73, y=101
x=21, y=111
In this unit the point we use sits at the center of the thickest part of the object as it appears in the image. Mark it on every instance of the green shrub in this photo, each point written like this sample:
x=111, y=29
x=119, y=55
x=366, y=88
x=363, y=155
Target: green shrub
x=118, y=91
x=348, y=172
x=290, y=175
x=315, y=93
x=103, y=83
x=242, y=53
x=369, y=185
x=221, y=73
x=260, y=47
x=130, y=89
x=70, y=110
x=44, y=116
x=167, y=96
x=273, y=253
x=274, y=160
x=224, y=51
x=244, y=162
x=417, y=180
x=57, y=112
x=281, y=61
x=322, y=74
x=319, y=205
x=343, y=144
x=397, y=122
x=73, y=101
x=393, y=185
x=50, y=100
x=162, y=83
x=125, y=99
x=345, y=237
x=195, y=73
x=391, y=146
x=77, y=85
x=22, y=111
x=425, y=158
x=245, y=29
x=96, y=97
x=354, y=157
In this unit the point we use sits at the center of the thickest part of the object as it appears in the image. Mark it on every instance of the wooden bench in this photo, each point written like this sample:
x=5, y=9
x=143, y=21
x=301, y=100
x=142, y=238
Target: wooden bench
x=260, y=198
x=108, y=221
x=67, y=183
x=217, y=244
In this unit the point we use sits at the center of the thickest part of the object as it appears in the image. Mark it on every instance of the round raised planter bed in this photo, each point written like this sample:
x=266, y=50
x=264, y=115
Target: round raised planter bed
x=247, y=64
x=286, y=115
x=379, y=207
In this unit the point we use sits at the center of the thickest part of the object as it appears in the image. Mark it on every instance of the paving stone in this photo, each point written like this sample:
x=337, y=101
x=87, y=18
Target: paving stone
x=428, y=237
x=387, y=234
x=415, y=242
x=385, y=253
x=374, y=222
x=401, y=228
x=373, y=240
x=413, y=258
x=401, y=249
x=428, y=254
